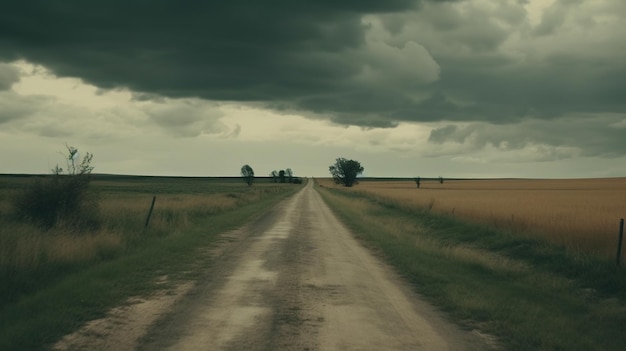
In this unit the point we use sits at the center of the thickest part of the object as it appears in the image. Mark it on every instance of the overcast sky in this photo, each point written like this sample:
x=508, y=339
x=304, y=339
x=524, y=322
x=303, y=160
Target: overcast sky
x=467, y=88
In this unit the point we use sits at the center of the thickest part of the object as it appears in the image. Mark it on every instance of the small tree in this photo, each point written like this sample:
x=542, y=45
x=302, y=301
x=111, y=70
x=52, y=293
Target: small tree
x=74, y=168
x=247, y=173
x=417, y=181
x=440, y=180
x=274, y=176
x=281, y=176
x=345, y=171
x=289, y=174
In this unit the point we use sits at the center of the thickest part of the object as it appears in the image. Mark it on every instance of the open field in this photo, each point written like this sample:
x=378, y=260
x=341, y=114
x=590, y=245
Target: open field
x=582, y=214
x=44, y=272
x=528, y=293
x=124, y=202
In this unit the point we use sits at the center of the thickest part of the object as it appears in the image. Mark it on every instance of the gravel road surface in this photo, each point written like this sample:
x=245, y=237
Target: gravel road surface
x=294, y=279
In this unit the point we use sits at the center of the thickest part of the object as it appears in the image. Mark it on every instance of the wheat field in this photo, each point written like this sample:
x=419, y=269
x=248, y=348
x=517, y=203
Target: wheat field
x=581, y=214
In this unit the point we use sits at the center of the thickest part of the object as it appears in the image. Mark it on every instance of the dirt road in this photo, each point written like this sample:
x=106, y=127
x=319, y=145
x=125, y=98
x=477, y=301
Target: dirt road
x=295, y=279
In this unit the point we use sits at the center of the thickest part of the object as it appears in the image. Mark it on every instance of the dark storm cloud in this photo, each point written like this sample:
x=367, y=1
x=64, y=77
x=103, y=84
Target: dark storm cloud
x=428, y=61
x=236, y=50
x=301, y=54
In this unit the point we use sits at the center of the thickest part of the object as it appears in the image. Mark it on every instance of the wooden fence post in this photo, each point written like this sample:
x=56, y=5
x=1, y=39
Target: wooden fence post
x=619, y=242
x=150, y=212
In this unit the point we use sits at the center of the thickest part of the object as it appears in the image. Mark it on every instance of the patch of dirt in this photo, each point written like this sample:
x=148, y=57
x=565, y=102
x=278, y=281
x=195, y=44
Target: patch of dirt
x=123, y=326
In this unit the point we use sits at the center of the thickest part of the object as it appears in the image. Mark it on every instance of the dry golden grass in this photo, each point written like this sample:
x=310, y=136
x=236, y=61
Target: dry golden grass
x=399, y=227
x=582, y=214
x=169, y=210
x=72, y=248
x=24, y=246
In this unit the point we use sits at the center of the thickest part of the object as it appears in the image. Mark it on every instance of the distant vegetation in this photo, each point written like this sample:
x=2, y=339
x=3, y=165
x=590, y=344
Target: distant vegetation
x=284, y=176
x=247, y=173
x=418, y=181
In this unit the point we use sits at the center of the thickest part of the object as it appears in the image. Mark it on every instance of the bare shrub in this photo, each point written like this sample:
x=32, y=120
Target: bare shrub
x=60, y=198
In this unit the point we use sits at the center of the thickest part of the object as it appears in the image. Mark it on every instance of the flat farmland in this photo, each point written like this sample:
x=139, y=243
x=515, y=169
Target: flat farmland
x=496, y=266
x=581, y=214
x=44, y=272
x=123, y=203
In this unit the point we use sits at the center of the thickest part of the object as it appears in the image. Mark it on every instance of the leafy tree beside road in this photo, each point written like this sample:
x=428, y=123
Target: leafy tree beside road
x=247, y=173
x=345, y=171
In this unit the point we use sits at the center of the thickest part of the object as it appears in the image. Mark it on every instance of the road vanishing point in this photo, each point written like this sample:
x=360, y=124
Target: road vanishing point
x=293, y=279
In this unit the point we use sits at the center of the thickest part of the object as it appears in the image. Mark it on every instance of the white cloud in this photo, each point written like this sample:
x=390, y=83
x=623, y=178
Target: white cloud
x=620, y=125
x=8, y=76
x=535, y=9
x=187, y=117
x=14, y=106
x=408, y=64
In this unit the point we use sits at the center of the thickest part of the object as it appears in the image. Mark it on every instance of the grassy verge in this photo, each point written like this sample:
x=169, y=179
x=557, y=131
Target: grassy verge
x=58, y=294
x=529, y=294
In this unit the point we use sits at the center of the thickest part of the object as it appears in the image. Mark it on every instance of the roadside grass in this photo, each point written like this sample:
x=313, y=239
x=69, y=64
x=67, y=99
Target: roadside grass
x=530, y=294
x=54, y=281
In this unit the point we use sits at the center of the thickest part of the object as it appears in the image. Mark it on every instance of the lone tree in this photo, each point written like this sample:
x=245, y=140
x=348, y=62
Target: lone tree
x=247, y=173
x=281, y=176
x=345, y=171
x=417, y=181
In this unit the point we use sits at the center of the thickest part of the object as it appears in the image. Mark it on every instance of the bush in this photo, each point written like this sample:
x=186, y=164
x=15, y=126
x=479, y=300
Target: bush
x=60, y=199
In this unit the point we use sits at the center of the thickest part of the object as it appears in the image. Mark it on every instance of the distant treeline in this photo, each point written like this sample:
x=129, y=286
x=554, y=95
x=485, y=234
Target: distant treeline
x=130, y=177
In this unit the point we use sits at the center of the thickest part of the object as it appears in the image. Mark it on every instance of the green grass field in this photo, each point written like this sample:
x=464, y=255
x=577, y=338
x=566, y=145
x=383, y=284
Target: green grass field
x=53, y=281
x=528, y=293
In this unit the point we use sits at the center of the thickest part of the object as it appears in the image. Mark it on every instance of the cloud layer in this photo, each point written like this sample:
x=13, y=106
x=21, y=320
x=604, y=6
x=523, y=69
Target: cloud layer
x=539, y=80
x=363, y=62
